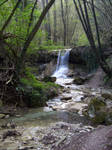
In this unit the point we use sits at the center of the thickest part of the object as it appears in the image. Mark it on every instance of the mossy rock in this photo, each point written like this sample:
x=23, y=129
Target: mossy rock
x=79, y=80
x=49, y=79
x=109, y=118
x=98, y=103
x=100, y=117
x=107, y=95
x=1, y=103
x=35, y=92
x=97, y=110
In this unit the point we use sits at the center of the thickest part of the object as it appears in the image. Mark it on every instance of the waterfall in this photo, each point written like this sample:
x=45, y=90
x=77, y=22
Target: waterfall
x=62, y=64
x=58, y=61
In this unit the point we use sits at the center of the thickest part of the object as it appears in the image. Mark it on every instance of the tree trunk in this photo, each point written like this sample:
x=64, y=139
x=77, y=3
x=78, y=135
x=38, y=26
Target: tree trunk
x=10, y=17
x=31, y=36
x=55, y=25
x=64, y=22
x=48, y=24
x=3, y=3
x=67, y=21
x=84, y=18
x=31, y=17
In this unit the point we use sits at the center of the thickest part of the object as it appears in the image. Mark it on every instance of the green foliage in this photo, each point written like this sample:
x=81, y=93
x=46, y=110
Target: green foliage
x=36, y=92
x=82, y=40
x=44, y=47
x=51, y=47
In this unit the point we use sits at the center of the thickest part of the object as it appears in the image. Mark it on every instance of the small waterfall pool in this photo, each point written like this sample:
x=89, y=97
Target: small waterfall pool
x=62, y=64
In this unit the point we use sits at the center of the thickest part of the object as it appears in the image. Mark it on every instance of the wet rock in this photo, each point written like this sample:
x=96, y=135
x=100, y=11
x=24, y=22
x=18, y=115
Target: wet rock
x=95, y=110
x=2, y=116
x=49, y=139
x=76, y=107
x=100, y=139
x=107, y=95
x=76, y=55
x=7, y=116
x=66, y=97
x=1, y=103
x=70, y=74
x=79, y=80
x=47, y=109
x=10, y=133
x=98, y=111
x=25, y=148
x=43, y=56
x=49, y=79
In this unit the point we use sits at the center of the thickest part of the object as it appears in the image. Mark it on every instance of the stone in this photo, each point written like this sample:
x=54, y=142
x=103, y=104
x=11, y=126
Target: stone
x=7, y=116
x=107, y=95
x=49, y=79
x=66, y=97
x=98, y=111
x=2, y=116
x=76, y=55
x=76, y=107
x=98, y=139
x=79, y=80
x=1, y=103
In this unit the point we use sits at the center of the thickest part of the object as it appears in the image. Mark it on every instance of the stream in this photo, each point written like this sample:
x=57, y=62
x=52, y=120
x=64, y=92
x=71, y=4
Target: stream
x=64, y=112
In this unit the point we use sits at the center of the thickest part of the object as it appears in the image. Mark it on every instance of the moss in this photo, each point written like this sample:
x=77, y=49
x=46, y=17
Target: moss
x=97, y=110
x=107, y=96
x=36, y=93
x=99, y=117
x=79, y=80
x=97, y=103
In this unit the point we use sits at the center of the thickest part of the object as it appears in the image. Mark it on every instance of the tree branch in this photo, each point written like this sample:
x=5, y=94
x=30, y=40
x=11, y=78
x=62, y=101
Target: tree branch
x=10, y=17
x=3, y=3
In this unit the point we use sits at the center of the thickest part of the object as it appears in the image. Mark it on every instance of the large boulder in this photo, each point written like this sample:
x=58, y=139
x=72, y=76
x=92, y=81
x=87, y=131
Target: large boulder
x=76, y=55
x=99, y=139
x=79, y=80
x=99, y=111
x=49, y=79
x=43, y=56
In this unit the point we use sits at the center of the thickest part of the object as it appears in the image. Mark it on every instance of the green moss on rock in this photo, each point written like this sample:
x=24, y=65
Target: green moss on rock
x=35, y=92
x=96, y=110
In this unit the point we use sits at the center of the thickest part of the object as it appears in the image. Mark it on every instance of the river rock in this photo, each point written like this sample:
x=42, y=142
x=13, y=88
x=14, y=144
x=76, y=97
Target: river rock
x=107, y=95
x=66, y=97
x=1, y=103
x=49, y=79
x=79, y=80
x=76, y=55
x=99, y=111
x=2, y=116
x=76, y=107
x=99, y=139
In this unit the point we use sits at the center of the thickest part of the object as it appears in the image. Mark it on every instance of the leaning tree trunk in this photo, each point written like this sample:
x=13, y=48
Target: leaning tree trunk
x=55, y=25
x=10, y=17
x=48, y=24
x=31, y=17
x=64, y=22
x=84, y=18
x=3, y=3
x=31, y=36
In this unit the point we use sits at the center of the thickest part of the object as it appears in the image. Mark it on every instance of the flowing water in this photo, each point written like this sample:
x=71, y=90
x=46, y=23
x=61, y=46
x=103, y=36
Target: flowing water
x=62, y=64
x=35, y=119
x=45, y=116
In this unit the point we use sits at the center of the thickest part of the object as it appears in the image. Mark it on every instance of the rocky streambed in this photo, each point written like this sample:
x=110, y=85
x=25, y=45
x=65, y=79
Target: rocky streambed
x=62, y=124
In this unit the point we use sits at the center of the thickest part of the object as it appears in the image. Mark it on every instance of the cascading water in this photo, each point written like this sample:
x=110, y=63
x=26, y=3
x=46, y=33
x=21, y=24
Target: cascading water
x=62, y=64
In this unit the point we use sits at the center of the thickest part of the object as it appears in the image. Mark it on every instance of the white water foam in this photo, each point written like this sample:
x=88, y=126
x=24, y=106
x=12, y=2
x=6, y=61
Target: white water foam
x=62, y=64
